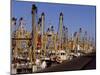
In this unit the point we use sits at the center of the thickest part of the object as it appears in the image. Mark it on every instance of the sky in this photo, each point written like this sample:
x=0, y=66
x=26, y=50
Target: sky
x=75, y=16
